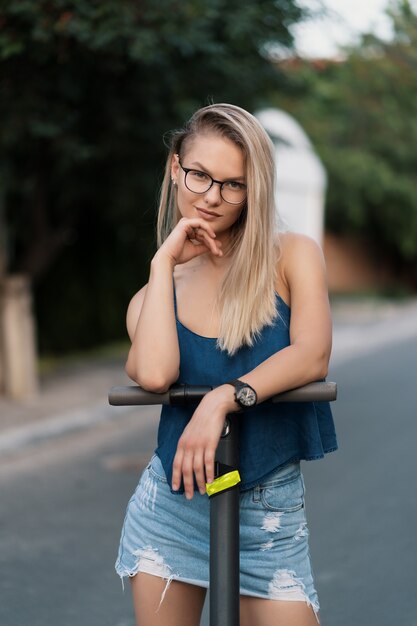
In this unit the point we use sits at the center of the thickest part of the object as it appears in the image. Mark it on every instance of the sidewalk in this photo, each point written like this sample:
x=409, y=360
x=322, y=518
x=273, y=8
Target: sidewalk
x=361, y=327
x=70, y=398
x=75, y=396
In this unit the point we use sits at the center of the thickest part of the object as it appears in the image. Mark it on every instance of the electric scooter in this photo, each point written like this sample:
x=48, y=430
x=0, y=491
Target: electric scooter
x=224, y=491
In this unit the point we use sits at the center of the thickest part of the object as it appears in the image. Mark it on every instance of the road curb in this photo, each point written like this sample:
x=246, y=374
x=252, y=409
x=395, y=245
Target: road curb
x=61, y=424
x=352, y=342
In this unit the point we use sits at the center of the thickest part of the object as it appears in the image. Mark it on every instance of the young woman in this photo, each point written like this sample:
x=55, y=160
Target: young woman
x=231, y=304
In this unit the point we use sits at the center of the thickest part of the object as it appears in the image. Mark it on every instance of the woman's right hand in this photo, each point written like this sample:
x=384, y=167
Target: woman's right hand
x=190, y=238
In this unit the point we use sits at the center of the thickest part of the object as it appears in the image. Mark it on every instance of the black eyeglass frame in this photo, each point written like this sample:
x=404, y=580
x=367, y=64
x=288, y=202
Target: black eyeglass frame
x=218, y=182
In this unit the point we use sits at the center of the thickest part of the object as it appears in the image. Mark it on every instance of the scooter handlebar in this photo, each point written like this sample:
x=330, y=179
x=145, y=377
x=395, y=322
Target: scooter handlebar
x=189, y=394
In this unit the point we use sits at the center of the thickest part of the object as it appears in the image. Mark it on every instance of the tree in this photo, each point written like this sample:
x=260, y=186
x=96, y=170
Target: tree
x=88, y=88
x=361, y=113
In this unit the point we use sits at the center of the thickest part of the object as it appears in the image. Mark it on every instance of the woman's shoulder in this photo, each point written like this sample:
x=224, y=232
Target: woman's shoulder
x=294, y=247
x=295, y=251
x=133, y=311
x=137, y=299
x=289, y=241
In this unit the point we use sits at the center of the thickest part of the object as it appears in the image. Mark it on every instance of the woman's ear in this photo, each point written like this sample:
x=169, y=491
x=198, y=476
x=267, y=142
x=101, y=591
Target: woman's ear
x=175, y=166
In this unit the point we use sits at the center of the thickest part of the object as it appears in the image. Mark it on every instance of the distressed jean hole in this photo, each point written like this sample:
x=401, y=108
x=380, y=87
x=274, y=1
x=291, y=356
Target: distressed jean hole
x=285, y=585
x=151, y=562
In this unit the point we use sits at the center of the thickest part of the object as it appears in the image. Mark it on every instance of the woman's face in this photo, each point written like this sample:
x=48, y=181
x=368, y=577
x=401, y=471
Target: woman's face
x=221, y=159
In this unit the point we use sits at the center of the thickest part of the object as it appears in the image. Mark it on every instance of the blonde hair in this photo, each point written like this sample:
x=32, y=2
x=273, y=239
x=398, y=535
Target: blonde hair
x=247, y=295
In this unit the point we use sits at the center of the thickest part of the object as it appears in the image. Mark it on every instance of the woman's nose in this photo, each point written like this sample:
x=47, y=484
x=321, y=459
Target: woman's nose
x=213, y=195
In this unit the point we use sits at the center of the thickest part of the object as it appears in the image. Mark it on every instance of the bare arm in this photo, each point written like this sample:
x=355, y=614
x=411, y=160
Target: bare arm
x=306, y=358
x=153, y=360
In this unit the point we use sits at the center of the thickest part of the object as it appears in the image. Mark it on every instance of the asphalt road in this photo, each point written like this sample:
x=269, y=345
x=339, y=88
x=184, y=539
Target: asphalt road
x=62, y=507
x=362, y=502
x=63, y=502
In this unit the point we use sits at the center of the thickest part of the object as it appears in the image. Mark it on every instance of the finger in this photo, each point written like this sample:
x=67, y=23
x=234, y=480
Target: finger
x=199, y=248
x=198, y=465
x=199, y=223
x=176, y=469
x=188, y=475
x=192, y=234
x=209, y=463
x=214, y=246
x=203, y=233
x=202, y=245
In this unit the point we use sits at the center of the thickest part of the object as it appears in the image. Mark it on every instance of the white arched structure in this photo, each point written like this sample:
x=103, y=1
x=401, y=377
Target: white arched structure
x=301, y=177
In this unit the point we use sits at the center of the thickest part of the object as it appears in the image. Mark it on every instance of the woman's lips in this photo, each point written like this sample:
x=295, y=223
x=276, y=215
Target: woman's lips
x=207, y=214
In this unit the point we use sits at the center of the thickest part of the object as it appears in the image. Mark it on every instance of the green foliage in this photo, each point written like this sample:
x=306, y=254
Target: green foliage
x=361, y=114
x=88, y=90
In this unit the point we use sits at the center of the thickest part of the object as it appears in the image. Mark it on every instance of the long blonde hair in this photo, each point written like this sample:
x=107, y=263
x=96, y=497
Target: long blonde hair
x=247, y=295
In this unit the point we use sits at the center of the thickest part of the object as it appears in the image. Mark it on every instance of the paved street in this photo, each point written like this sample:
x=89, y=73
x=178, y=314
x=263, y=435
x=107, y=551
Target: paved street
x=63, y=501
x=62, y=506
x=362, y=501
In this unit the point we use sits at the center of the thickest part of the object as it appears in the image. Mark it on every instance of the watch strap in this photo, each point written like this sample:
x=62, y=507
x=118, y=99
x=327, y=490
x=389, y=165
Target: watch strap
x=239, y=384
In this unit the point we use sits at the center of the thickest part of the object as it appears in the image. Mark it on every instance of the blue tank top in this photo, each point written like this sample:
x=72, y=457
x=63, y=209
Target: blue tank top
x=271, y=435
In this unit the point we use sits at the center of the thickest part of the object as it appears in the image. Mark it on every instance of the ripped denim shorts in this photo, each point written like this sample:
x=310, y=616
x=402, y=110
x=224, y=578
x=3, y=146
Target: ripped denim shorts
x=167, y=535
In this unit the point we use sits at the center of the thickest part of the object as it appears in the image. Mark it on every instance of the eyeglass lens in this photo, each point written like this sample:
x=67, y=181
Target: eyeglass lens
x=200, y=182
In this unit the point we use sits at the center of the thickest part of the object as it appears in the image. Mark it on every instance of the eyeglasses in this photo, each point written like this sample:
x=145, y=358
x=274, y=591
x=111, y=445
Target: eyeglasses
x=196, y=181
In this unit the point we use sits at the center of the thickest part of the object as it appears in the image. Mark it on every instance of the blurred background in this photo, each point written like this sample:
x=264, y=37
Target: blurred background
x=89, y=91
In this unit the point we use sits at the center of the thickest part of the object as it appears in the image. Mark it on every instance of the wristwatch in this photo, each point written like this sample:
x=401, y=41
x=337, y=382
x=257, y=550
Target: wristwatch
x=245, y=395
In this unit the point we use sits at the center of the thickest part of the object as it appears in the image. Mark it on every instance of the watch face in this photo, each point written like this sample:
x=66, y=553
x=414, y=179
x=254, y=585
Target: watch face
x=246, y=396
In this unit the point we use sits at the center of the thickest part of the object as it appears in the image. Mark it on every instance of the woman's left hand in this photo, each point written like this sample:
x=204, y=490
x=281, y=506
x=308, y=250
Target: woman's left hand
x=197, y=445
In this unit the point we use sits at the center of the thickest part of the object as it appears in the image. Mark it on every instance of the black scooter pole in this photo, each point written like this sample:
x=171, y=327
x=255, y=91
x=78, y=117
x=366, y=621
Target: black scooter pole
x=224, y=505
x=224, y=533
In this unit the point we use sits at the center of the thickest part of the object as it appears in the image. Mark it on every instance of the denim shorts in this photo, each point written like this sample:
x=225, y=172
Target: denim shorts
x=166, y=535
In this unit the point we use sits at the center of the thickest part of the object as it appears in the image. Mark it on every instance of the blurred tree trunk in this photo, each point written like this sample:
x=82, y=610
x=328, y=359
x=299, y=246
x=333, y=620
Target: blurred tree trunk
x=2, y=275
x=18, y=369
x=17, y=330
x=46, y=241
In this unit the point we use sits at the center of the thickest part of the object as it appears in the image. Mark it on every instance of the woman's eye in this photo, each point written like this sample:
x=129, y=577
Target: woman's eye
x=232, y=184
x=199, y=175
